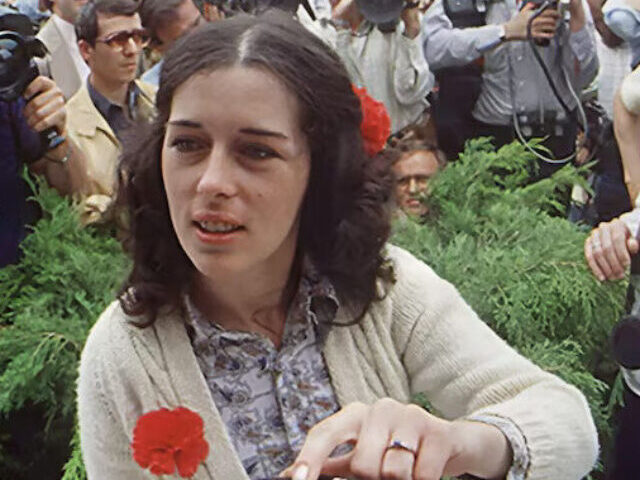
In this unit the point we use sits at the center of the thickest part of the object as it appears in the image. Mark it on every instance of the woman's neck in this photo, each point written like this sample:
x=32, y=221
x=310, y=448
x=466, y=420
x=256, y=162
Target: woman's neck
x=252, y=302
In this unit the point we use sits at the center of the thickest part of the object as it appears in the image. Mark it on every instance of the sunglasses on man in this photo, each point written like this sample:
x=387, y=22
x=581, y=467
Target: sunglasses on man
x=119, y=40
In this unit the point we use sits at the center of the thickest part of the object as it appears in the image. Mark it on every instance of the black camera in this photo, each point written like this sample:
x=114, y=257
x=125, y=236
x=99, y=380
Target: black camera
x=18, y=47
x=385, y=14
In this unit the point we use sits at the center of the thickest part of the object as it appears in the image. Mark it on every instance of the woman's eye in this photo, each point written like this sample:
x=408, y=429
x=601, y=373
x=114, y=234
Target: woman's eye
x=258, y=152
x=186, y=145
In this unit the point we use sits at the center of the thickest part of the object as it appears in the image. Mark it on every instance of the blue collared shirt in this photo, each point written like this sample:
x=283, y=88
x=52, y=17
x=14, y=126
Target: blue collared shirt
x=117, y=117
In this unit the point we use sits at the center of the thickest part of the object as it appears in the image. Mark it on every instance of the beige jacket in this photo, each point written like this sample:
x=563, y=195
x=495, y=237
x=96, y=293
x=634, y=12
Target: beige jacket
x=59, y=63
x=100, y=147
x=422, y=337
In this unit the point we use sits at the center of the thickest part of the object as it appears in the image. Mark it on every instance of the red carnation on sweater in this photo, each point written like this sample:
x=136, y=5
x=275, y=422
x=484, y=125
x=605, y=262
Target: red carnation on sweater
x=376, y=124
x=164, y=439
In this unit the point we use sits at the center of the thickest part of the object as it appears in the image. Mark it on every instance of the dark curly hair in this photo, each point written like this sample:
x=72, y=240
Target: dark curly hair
x=345, y=211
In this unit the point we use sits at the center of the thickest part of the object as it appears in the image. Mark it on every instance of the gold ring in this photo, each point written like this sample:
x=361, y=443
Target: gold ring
x=400, y=445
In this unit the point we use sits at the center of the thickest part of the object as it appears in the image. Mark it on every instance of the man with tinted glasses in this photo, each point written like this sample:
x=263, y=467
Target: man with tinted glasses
x=65, y=64
x=111, y=38
x=166, y=21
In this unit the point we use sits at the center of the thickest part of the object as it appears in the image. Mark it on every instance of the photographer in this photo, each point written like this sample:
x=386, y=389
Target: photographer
x=381, y=46
x=610, y=250
x=40, y=108
x=515, y=95
x=19, y=144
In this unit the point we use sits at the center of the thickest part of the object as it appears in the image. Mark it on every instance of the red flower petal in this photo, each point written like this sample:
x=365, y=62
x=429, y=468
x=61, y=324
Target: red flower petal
x=376, y=124
x=164, y=439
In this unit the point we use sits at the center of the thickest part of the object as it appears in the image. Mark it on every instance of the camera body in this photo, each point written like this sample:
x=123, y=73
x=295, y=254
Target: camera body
x=18, y=47
x=17, y=68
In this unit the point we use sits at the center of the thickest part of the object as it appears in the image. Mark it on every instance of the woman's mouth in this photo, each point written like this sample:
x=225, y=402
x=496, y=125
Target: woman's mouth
x=218, y=232
x=218, y=227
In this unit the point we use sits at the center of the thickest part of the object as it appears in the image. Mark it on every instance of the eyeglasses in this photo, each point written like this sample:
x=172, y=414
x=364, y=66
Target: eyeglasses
x=119, y=40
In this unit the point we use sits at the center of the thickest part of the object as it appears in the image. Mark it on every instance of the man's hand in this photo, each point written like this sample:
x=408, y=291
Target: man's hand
x=577, y=19
x=45, y=108
x=543, y=28
x=608, y=250
x=411, y=19
x=211, y=13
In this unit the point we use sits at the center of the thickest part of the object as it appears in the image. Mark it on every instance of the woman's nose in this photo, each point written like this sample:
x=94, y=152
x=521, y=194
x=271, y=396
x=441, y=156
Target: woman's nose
x=219, y=175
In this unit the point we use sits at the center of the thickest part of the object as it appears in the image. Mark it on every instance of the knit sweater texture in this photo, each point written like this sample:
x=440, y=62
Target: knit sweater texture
x=421, y=338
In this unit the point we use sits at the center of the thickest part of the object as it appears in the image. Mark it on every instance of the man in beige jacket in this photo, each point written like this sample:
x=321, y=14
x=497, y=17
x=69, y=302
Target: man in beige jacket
x=111, y=38
x=64, y=63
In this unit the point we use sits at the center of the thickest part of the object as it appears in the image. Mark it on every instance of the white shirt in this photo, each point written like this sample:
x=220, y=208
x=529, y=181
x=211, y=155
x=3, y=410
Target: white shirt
x=391, y=66
x=69, y=34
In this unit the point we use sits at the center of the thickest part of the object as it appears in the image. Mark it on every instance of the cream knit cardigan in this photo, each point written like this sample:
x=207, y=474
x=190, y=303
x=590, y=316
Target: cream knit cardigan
x=422, y=337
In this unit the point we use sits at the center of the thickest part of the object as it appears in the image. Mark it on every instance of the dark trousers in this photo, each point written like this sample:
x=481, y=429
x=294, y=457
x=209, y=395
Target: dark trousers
x=560, y=146
x=625, y=461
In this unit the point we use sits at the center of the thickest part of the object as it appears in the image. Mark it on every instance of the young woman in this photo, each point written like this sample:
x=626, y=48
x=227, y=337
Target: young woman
x=264, y=298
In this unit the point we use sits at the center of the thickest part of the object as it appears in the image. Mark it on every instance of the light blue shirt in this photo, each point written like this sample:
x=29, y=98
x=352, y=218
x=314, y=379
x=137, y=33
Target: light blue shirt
x=152, y=75
x=624, y=21
x=30, y=9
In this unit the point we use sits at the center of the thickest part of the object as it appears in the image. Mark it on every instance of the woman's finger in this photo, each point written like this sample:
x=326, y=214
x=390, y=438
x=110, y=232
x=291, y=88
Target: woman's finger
x=373, y=439
x=431, y=460
x=324, y=437
x=400, y=456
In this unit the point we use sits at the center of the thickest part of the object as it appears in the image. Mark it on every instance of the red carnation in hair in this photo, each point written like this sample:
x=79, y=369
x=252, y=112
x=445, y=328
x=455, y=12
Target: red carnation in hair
x=376, y=124
x=164, y=439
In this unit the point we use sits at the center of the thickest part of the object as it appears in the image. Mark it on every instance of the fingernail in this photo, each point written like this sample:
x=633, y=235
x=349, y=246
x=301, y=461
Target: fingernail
x=301, y=472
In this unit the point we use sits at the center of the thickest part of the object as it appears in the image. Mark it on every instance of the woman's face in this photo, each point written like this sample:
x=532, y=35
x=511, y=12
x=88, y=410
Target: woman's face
x=235, y=165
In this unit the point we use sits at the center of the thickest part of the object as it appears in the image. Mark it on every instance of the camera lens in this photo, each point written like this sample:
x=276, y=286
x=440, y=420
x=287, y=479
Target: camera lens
x=13, y=59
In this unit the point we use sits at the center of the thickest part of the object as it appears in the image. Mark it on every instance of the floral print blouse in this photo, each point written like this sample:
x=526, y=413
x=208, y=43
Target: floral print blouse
x=270, y=398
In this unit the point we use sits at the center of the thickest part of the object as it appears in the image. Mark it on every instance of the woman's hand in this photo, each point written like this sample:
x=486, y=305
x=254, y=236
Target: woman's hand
x=608, y=250
x=400, y=442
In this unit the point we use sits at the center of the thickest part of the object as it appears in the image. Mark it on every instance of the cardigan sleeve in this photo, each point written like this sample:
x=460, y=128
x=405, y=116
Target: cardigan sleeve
x=104, y=437
x=465, y=370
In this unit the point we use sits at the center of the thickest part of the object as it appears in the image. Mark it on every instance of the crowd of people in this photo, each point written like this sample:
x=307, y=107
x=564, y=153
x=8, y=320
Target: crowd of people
x=223, y=140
